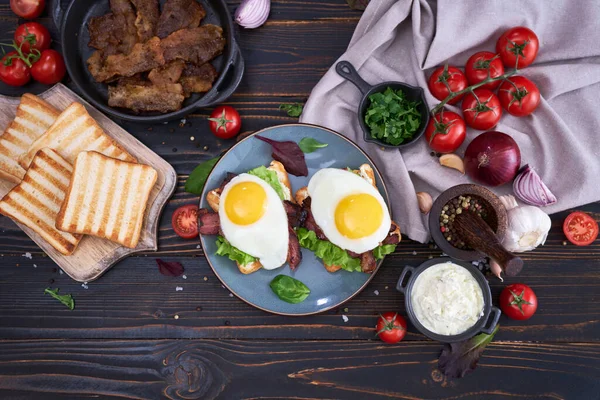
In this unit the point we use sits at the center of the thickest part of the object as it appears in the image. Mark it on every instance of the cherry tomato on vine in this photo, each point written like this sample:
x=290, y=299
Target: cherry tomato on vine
x=50, y=68
x=391, y=327
x=185, y=221
x=453, y=77
x=518, y=43
x=483, y=65
x=14, y=71
x=225, y=122
x=580, y=228
x=28, y=9
x=518, y=301
x=445, y=132
x=32, y=35
x=519, y=96
x=481, y=109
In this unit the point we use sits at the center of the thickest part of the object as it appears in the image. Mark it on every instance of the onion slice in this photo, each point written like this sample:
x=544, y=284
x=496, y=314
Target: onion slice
x=252, y=13
x=529, y=188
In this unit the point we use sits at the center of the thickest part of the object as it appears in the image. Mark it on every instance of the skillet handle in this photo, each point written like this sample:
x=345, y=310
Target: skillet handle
x=401, y=285
x=57, y=12
x=494, y=316
x=348, y=72
x=236, y=68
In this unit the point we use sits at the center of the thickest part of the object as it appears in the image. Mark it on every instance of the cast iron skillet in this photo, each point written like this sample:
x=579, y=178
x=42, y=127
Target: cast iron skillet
x=73, y=21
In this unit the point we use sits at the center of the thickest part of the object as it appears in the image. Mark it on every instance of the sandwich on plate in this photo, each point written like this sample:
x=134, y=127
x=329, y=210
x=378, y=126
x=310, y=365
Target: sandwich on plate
x=250, y=215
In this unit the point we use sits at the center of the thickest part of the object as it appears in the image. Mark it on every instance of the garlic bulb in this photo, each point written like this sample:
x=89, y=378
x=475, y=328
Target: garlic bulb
x=528, y=226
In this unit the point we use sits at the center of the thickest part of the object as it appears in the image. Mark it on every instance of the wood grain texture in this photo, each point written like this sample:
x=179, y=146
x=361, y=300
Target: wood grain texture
x=205, y=369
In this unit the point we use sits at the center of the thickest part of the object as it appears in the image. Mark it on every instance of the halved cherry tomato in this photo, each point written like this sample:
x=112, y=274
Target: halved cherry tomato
x=50, y=68
x=518, y=43
x=32, y=35
x=225, y=122
x=14, y=71
x=28, y=9
x=481, y=109
x=185, y=221
x=518, y=301
x=445, y=132
x=391, y=327
x=446, y=75
x=519, y=96
x=483, y=65
x=580, y=228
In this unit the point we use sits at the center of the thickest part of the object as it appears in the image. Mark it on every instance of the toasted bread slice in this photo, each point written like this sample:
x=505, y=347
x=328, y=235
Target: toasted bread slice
x=75, y=131
x=36, y=201
x=107, y=198
x=34, y=116
x=249, y=268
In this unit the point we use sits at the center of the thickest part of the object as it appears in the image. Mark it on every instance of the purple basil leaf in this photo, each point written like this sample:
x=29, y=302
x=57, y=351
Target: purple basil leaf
x=169, y=268
x=459, y=359
x=358, y=4
x=289, y=154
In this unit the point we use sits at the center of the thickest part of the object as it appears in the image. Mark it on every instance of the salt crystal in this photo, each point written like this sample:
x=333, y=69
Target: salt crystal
x=475, y=263
x=192, y=138
x=198, y=246
x=230, y=295
x=376, y=292
x=345, y=318
x=184, y=276
x=222, y=287
x=34, y=266
x=414, y=253
x=178, y=289
x=61, y=271
x=444, y=255
x=84, y=285
x=27, y=255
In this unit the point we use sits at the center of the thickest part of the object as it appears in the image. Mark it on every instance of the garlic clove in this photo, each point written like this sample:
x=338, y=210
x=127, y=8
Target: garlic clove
x=425, y=202
x=496, y=269
x=453, y=161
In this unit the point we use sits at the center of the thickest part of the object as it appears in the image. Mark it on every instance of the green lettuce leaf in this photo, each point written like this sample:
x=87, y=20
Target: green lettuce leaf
x=270, y=177
x=226, y=249
x=381, y=251
x=327, y=251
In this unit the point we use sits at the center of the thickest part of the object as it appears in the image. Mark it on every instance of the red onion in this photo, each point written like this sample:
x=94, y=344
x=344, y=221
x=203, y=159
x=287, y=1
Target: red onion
x=252, y=13
x=492, y=158
x=529, y=188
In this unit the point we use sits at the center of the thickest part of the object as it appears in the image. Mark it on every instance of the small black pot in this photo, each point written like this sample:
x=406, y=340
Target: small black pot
x=482, y=325
x=73, y=22
x=348, y=72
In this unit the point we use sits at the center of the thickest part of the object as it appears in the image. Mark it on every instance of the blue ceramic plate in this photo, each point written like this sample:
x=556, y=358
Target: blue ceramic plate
x=328, y=290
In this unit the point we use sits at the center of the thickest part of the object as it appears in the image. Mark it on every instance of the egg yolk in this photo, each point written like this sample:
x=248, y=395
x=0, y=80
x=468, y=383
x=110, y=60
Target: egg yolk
x=358, y=215
x=246, y=203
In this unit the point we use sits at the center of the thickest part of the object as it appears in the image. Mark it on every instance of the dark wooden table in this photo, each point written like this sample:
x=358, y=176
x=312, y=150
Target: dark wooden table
x=132, y=335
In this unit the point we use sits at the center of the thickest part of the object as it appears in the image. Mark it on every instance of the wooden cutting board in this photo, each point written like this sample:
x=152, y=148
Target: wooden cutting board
x=95, y=256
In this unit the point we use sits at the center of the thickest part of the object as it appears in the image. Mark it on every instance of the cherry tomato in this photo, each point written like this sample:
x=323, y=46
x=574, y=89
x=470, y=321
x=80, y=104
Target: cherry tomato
x=445, y=132
x=185, y=221
x=32, y=36
x=28, y=9
x=50, y=68
x=391, y=327
x=519, y=96
x=580, y=228
x=518, y=301
x=482, y=110
x=455, y=79
x=225, y=122
x=14, y=71
x=518, y=47
x=483, y=65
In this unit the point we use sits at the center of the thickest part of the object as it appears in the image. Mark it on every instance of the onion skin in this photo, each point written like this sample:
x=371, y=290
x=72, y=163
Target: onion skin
x=530, y=189
x=492, y=159
x=252, y=13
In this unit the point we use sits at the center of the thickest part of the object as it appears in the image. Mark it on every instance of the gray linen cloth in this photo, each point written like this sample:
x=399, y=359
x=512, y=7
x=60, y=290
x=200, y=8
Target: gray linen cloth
x=405, y=40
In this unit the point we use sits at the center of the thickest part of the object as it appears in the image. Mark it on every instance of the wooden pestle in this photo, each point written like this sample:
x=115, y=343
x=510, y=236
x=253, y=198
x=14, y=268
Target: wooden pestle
x=477, y=234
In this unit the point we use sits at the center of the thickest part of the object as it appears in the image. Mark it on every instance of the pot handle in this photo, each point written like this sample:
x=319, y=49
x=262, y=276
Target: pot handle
x=57, y=13
x=348, y=72
x=495, y=316
x=236, y=68
x=399, y=286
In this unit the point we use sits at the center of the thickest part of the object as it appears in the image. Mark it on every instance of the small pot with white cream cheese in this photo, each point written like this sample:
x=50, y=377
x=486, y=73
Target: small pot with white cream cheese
x=448, y=300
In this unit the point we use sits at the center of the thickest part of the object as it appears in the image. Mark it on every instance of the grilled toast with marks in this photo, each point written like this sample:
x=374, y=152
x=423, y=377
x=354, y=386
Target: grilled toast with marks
x=107, y=198
x=34, y=117
x=36, y=201
x=75, y=131
x=214, y=196
x=366, y=172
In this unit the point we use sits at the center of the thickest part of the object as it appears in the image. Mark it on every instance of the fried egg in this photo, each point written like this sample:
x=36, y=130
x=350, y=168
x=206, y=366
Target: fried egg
x=349, y=210
x=254, y=221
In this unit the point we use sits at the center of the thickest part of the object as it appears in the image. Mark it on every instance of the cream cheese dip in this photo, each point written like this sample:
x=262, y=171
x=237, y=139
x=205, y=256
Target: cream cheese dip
x=446, y=299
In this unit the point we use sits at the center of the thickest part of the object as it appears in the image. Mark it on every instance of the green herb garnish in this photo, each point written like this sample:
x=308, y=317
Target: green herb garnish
x=197, y=179
x=293, y=110
x=308, y=145
x=391, y=117
x=66, y=299
x=289, y=289
x=227, y=250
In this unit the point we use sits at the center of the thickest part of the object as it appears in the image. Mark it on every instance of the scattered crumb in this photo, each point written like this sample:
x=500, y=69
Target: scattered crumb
x=184, y=276
x=230, y=294
x=205, y=148
x=18, y=265
x=564, y=242
x=176, y=316
x=414, y=253
x=430, y=257
x=387, y=287
x=178, y=289
x=28, y=255
x=376, y=292
x=182, y=122
x=345, y=318
x=346, y=309
x=205, y=278
x=163, y=142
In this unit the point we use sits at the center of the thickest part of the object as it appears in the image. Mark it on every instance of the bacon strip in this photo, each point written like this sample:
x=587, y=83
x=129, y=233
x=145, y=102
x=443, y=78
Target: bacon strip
x=309, y=222
x=208, y=222
x=296, y=214
x=368, y=263
x=294, y=254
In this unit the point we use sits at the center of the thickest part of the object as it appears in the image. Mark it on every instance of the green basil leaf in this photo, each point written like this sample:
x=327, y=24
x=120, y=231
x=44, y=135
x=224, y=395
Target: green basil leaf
x=289, y=289
x=66, y=299
x=225, y=249
x=293, y=110
x=270, y=177
x=197, y=179
x=308, y=145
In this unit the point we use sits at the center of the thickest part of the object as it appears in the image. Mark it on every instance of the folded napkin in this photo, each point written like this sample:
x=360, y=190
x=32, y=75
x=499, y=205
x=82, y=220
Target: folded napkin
x=405, y=40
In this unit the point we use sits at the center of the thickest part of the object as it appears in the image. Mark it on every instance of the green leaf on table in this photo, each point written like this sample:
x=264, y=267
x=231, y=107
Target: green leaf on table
x=66, y=299
x=458, y=359
x=358, y=4
x=308, y=145
x=293, y=110
x=289, y=289
x=197, y=179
